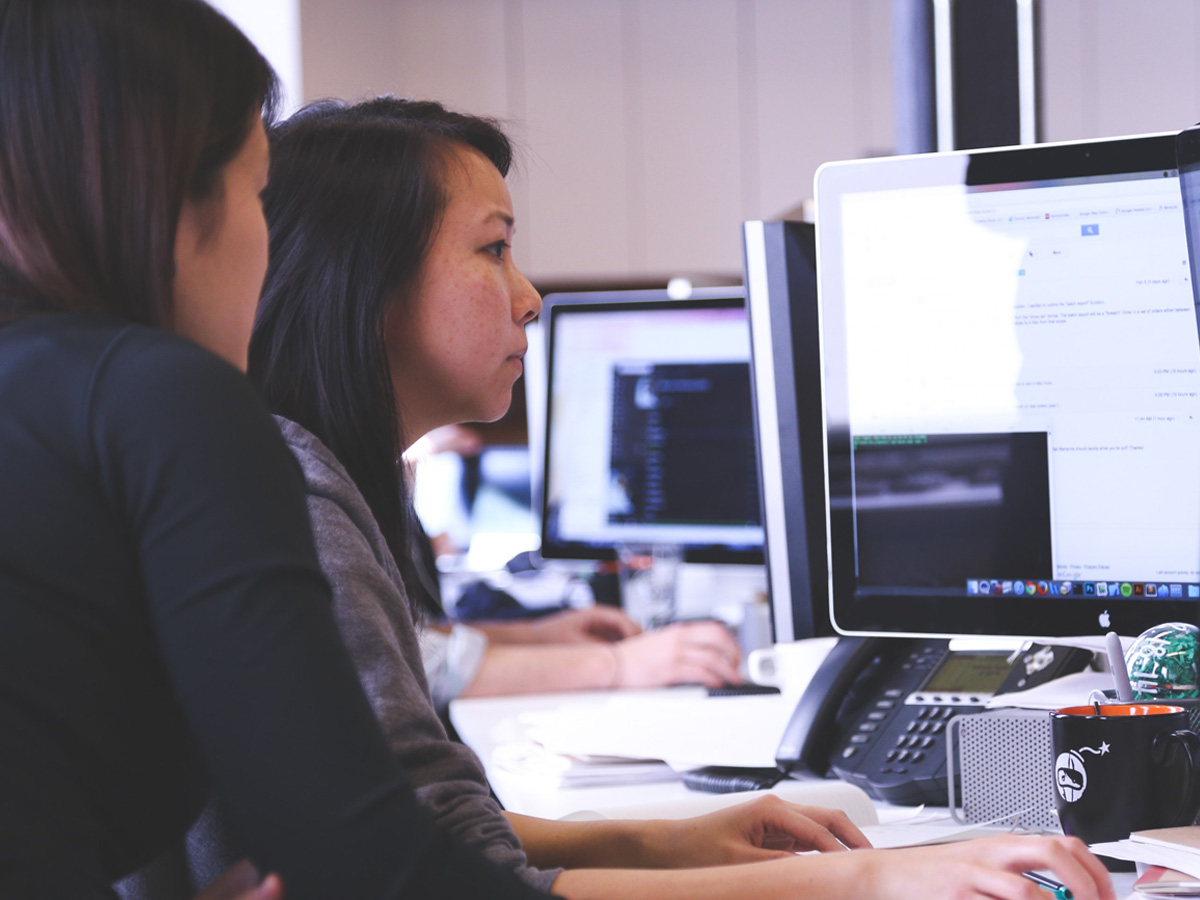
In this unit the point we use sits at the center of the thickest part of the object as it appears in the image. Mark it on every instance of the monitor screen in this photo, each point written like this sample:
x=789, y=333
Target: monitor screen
x=1011, y=391
x=649, y=426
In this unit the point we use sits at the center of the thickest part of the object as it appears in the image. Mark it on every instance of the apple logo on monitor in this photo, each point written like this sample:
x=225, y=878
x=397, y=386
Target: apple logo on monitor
x=1105, y=619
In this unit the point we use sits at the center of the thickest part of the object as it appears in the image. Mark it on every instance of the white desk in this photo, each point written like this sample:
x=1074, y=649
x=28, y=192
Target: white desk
x=485, y=723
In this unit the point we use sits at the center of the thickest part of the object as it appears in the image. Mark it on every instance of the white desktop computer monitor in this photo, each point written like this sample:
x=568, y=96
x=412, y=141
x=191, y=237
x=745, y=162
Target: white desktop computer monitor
x=648, y=434
x=781, y=302
x=1011, y=380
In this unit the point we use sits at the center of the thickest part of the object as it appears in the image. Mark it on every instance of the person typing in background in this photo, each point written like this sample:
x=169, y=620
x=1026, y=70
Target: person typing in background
x=569, y=650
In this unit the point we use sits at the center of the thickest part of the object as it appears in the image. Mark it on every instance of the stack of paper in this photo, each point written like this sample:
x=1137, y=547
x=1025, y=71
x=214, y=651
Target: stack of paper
x=565, y=771
x=1171, y=848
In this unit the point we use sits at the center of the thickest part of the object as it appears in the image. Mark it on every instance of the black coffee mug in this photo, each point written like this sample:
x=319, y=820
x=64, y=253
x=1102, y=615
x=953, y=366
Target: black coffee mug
x=1132, y=766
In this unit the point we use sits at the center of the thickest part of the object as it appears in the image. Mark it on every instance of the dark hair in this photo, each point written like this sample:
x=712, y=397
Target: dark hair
x=355, y=197
x=112, y=113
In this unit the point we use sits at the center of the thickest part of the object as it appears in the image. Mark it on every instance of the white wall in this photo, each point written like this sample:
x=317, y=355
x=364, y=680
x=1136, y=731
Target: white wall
x=654, y=127
x=274, y=27
x=1119, y=67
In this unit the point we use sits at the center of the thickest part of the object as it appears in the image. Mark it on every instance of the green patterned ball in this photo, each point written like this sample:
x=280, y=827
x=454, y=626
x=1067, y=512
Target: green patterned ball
x=1162, y=662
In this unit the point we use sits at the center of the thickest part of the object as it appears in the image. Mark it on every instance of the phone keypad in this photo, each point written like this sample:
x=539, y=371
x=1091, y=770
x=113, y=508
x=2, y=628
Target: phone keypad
x=893, y=750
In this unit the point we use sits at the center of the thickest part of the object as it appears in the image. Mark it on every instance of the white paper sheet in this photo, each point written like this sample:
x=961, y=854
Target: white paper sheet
x=1179, y=860
x=931, y=827
x=1070, y=690
x=1171, y=848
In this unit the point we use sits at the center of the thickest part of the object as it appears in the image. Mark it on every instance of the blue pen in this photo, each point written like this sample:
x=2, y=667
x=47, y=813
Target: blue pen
x=1058, y=889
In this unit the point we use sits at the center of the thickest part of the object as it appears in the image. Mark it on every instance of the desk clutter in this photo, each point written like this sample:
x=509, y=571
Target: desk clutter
x=877, y=711
x=680, y=728
x=1002, y=762
x=645, y=736
x=605, y=754
x=1171, y=848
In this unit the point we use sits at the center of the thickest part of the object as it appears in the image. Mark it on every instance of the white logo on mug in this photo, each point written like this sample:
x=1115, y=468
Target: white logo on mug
x=1070, y=774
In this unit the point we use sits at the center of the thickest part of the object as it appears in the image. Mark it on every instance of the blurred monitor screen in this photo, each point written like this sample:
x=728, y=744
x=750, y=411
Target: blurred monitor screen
x=649, y=431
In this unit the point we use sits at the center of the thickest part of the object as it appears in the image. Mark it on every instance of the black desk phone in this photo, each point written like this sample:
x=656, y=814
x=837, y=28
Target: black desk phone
x=876, y=711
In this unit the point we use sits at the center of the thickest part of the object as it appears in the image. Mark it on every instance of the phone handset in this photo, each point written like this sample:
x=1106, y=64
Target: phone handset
x=843, y=684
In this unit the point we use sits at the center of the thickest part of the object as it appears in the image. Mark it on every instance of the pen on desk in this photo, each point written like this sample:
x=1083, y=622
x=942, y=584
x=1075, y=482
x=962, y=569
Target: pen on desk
x=1116, y=662
x=1058, y=889
x=1169, y=889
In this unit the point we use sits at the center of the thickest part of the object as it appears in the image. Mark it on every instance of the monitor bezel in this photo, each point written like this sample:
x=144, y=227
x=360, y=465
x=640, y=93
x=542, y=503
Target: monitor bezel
x=925, y=614
x=571, y=303
x=779, y=266
x=1187, y=161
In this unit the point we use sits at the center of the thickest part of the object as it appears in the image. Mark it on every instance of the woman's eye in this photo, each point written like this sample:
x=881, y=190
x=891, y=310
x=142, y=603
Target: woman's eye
x=497, y=249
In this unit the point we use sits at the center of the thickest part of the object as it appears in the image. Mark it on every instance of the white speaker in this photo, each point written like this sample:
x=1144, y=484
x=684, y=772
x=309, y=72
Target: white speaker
x=999, y=766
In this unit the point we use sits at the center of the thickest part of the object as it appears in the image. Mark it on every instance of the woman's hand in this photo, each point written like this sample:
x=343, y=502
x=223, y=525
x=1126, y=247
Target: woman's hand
x=684, y=653
x=986, y=868
x=574, y=626
x=762, y=829
x=240, y=882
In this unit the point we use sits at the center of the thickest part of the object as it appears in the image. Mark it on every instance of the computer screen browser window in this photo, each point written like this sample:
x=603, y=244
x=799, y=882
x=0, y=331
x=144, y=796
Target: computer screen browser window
x=1012, y=385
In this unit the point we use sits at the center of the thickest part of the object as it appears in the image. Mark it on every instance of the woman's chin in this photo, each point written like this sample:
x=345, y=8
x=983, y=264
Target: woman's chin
x=496, y=411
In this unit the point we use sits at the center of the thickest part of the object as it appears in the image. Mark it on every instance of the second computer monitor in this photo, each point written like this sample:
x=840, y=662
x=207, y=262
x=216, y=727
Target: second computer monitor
x=649, y=434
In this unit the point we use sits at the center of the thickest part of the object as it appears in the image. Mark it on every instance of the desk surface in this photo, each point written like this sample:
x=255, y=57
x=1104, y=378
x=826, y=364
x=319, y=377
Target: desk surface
x=483, y=724
x=486, y=722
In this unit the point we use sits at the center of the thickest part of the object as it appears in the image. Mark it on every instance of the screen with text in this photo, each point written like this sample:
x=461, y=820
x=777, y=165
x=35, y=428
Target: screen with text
x=650, y=435
x=1022, y=386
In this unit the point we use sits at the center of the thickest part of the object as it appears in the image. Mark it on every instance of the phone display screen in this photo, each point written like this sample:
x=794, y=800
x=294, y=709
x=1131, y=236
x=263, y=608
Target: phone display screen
x=969, y=673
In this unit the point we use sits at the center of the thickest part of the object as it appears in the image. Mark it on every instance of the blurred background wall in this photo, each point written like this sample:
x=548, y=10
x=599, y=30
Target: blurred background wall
x=652, y=128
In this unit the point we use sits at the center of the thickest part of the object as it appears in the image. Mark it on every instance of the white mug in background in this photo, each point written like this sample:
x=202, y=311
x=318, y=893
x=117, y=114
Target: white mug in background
x=754, y=626
x=790, y=666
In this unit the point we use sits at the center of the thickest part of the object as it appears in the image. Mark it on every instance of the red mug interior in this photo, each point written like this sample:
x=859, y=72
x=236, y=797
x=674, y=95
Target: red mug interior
x=1121, y=709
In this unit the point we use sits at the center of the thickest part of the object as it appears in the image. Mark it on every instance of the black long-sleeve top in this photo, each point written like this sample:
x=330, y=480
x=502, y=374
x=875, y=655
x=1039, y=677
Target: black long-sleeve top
x=165, y=629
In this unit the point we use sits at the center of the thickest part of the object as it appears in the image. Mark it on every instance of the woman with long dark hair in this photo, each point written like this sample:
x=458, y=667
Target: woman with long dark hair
x=392, y=306
x=165, y=630
x=368, y=395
